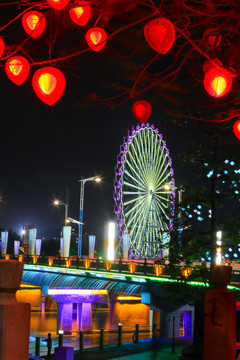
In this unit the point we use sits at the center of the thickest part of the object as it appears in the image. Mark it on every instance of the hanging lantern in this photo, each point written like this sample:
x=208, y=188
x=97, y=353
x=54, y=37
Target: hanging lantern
x=96, y=36
x=212, y=37
x=2, y=47
x=141, y=110
x=211, y=63
x=34, y=23
x=17, y=69
x=217, y=82
x=49, y=84
x=80, y=14
x=236, y=129
x=160, y=34
x=58, y=4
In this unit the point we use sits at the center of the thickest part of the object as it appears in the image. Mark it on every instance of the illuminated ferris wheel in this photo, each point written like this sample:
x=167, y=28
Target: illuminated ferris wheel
x=143, y=205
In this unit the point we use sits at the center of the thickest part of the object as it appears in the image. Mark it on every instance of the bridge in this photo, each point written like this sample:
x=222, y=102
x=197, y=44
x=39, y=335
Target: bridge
x=77, y=285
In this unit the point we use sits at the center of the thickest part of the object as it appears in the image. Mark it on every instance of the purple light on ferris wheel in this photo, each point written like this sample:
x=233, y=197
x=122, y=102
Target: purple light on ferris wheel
x=133, y=163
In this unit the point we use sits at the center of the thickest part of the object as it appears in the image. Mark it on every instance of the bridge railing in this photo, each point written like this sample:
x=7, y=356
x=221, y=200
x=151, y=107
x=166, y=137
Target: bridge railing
x=137, y=267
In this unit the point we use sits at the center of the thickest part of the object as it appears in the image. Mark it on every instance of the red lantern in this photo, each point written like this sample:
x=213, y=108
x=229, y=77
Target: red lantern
x=236, y=129
x=141, y=110
x=211, y=63
x=2, y=47
x=58, y=4
x=160, y=34
x=217, y=82
x=212, y=37
x=49, y=84
x=34, y=23
x=96, y=36
x=80, y=14
x=17, y=69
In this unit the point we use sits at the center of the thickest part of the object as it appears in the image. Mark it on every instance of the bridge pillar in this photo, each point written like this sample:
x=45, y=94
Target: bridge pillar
x=14, y=316
x=64, y=317
x=85, y=316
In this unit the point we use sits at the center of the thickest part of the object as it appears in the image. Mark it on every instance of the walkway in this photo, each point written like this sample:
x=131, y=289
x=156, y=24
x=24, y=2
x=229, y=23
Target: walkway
x=132, y=351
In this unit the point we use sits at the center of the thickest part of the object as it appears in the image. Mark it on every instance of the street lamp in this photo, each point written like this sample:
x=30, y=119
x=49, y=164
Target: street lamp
x=82, y=183
x=57, y=203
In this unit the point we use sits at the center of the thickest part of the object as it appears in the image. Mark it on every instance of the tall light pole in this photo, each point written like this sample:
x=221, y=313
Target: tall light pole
x=82, y=183
x=57, y=202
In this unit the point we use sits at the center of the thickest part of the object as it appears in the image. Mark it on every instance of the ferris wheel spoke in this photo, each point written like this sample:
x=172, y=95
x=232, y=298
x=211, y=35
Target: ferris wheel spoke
x=138, y=215
x=162, y=168
x=142, y=151
x=159, y=198
x=140, y=157
x=143, y=241
x=132, y=185
x=136, y=161
x=134, y=193
x=138, y=179
x=134, y=208
x=138, y=199
x=162, y=211
x=165, y=174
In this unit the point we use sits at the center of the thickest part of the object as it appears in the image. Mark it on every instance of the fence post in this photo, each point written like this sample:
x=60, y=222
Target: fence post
x=37, y=346
x=154, y=331
x=119, y=334
x=81, y=341
x=60, y=338
x=137, y=333
x=101, y=338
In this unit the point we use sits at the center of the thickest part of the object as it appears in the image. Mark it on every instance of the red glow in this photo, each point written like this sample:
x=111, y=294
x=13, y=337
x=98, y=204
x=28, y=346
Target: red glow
x=160, y=34
x=236, y=130
x=17, y=69
x=217, y=82
x=58, y=4
x=80, y=14
x=141, y=110
x=34, y=23
x=2, y=47
x=96, y=36
x=212, y=37
x=49, y=84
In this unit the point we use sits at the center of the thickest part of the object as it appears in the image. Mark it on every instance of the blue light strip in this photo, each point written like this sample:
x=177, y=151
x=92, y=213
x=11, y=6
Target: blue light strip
x=114, y=276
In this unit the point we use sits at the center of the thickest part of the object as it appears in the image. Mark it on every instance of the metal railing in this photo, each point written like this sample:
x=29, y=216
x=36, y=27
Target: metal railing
x=137, y=267
x=40, y=347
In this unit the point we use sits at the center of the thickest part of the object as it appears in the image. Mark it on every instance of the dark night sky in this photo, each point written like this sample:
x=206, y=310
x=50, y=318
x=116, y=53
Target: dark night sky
x=45, y=149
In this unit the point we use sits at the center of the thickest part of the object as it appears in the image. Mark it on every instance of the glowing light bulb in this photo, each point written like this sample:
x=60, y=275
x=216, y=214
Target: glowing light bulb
x=15, y=66
x=219, y=85
x=95, y=36
x=47, y=83
x=32, y=21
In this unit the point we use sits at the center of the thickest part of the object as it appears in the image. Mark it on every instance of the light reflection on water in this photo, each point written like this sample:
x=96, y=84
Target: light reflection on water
x=43, y=323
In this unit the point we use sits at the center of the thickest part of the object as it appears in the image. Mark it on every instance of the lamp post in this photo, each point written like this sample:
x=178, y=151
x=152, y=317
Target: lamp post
x=57, y=202
x=82, y=183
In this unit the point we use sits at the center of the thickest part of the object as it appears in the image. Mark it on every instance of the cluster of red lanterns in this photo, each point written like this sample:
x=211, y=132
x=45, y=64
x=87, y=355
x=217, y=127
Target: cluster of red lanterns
x=49, y=82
